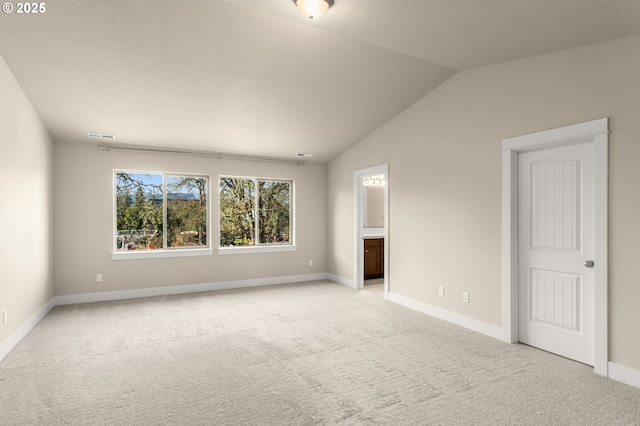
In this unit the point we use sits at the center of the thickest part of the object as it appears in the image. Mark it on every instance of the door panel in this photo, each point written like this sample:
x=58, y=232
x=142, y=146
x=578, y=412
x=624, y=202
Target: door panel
x=555, y=299
x=555, y=192
x=556, y=234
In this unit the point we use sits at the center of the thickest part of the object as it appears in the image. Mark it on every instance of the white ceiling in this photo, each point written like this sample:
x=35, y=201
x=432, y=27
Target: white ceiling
x=255, y=77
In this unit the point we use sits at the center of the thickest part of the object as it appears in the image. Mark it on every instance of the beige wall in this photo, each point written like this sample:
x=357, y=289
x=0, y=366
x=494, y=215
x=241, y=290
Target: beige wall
x=25, y=212
x=444, y=156
x=83, y=222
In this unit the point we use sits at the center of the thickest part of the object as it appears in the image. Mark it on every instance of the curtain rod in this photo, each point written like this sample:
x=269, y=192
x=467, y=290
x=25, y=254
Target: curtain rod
x=203, y=153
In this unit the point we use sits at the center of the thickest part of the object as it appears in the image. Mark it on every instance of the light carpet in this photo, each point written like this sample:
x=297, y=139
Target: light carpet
x=295, y=354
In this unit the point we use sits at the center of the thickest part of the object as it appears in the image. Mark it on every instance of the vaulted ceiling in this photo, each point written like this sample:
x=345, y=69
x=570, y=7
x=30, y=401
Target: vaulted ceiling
x=255, y=77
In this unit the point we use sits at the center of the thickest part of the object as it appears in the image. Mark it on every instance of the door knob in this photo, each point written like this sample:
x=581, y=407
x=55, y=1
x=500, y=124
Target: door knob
x=589, y=263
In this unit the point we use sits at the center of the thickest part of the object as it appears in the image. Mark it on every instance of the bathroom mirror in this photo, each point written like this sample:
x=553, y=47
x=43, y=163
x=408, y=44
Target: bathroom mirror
x=374, y=201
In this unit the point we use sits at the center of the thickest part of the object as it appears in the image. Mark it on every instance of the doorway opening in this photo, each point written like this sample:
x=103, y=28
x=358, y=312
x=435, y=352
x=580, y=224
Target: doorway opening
x=371, y=189
x=374, y=265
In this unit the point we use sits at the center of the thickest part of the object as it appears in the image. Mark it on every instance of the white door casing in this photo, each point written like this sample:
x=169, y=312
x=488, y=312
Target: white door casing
x=555, y=239
x=594, y=134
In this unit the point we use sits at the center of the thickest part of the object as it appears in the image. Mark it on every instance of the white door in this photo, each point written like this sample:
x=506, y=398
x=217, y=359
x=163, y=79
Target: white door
x=555, y=245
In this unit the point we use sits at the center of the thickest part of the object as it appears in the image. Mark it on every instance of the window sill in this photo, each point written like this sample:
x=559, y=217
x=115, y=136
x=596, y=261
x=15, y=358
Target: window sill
x=256, y=249
x=160, y=254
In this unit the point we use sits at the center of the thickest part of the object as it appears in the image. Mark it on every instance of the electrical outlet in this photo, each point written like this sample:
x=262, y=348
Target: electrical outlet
x=99, y=278
x=465, y=297
x=441, y=291
x=4, y=317
x=310, y=262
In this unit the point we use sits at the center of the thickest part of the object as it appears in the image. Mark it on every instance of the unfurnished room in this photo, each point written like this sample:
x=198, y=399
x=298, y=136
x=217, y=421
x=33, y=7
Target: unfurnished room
x=310, y=212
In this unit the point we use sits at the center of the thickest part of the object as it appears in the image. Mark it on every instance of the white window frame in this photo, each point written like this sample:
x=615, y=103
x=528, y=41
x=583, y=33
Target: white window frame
x=165, y=252
x=262, y=247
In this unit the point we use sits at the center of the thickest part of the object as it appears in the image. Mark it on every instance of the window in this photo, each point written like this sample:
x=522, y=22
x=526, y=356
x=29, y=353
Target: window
x=157, y=211
x=255, y=212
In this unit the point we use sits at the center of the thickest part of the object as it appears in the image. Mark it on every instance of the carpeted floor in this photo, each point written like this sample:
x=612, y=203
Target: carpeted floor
x=301, y=354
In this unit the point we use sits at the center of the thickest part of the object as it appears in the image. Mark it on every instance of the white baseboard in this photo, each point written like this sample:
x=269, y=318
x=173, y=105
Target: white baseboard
x=461, y=320
x=342, y=280
x=182, y=289
x=624, y=374
x=24, y=329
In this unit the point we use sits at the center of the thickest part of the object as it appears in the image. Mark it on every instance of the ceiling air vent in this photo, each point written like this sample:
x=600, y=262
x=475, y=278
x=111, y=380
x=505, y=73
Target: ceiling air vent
x=304, y=155
x=100, y=136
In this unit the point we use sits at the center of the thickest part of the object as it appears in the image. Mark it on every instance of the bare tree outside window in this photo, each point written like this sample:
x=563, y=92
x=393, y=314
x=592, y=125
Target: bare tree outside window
x=139, y=213
x=186, y=211
x=254, y=211
x=275, y=210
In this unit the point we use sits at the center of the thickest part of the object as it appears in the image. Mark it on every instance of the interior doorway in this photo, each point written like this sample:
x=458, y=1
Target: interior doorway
x=371, y=189
x=554, y=182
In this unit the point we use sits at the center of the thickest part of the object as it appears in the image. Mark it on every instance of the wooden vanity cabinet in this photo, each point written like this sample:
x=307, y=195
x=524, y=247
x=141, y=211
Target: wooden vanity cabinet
x=373, y=258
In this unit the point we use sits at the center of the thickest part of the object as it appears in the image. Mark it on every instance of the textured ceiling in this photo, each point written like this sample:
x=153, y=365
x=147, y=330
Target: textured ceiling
x=256, y=77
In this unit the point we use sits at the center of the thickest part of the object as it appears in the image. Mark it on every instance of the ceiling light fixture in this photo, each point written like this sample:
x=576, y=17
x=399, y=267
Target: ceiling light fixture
x=313, y=8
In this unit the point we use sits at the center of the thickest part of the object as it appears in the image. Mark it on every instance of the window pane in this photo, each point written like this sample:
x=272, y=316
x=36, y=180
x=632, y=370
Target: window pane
x=186, y=211
x=275, y=208
x=237, y=212
x=138, y=211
